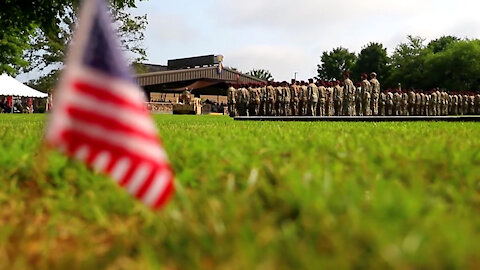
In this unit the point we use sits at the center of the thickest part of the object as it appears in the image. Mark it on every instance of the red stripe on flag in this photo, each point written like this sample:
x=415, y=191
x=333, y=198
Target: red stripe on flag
x=144, y=188
x=165, y=195
x=111, y=164
x=108, y=123
x=105, y=94
x=92, y=155
x=128, y=176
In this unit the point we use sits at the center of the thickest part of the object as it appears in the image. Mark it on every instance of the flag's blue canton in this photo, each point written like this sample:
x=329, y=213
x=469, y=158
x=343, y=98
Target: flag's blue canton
x=102, y=51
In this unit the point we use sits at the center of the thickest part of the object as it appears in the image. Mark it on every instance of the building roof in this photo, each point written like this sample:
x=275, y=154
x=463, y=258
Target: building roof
x=144, y=67
x=212, y=73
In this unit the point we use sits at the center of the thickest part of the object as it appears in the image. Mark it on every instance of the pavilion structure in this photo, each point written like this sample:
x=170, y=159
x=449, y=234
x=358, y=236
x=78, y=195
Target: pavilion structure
x=202, y=75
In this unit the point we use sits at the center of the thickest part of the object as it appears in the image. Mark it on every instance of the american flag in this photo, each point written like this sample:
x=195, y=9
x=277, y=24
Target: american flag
x=99, y=115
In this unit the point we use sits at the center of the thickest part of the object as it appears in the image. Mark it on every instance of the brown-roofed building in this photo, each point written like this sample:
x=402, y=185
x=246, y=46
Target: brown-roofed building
x=203, y=75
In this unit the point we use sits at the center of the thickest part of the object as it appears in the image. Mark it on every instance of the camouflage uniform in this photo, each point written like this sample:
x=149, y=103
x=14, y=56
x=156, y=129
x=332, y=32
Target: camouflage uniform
x=389, y=104
x=359, y=101
x=246, y=99
x=278, y=100
x=286, y=100
x=449, y=104
x=439, y=103
x=338, y=99
x=397, y=102
x=433, y=104
x=418, y=104
x=331, y=101
x=303, y=99
x=322, y=98
x=404, y=105
x=366, y=106
x=254, y=101
x=270, y=100
x=365, y=92
x=427, y=104
x=446, y=100
x=375, y=84
x=294, y=99
x=455, y=102
x=382, y=103
x=349, y=101
x=231, y=101
x=465, y=104
x=238, y=104
x=411, y=103
x=263, y=97
x=471, y=105
x=477, y=104
x=312, y=99
x=242, y=101
x=421, y=107
x=461, y=105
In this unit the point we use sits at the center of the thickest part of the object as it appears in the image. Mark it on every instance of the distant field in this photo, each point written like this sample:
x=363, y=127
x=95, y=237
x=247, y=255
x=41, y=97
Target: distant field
x=252, y=195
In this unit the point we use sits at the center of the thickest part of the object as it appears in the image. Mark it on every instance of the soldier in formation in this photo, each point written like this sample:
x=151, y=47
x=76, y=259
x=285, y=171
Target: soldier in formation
x=375, y=95
x=344, y=99
x=322, y=99
x=349, y=96
x=231, y=94
x=365, y=96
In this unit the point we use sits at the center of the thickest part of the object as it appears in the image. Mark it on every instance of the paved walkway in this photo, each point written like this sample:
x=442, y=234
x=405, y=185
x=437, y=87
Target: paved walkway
x=451, y=118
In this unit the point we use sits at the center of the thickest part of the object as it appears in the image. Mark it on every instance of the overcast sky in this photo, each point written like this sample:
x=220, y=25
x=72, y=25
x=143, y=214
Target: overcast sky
x=287, y=36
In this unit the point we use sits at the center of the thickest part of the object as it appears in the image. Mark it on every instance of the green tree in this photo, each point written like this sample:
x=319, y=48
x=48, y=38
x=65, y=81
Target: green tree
x=441, y=44
x=407, y=64
x=46, y=82
x=456, y=67
x=35, y=34
x=335, y=63
x=372, y=58
x=261, y=74
x=13, y=43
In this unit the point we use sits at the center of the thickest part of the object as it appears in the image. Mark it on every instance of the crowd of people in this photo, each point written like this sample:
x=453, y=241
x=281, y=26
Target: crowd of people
x=17, y=105
x=345, y=99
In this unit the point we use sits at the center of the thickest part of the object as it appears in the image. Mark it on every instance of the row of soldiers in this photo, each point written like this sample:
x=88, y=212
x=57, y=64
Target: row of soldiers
x=344, y=99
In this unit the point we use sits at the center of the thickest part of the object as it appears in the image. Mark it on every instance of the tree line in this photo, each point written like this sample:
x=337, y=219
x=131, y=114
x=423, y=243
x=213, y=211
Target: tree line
x=447, y=62
x=35, y=35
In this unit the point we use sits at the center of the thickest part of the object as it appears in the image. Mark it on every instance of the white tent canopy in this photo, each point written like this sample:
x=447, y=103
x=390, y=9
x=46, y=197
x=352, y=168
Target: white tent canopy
x=11, y=87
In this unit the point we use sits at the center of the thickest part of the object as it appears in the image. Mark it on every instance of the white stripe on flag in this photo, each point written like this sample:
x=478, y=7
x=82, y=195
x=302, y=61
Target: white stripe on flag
x=101, y=161
x=120, y=169
x=82, y=153
x=138, y=178
x=156, y=188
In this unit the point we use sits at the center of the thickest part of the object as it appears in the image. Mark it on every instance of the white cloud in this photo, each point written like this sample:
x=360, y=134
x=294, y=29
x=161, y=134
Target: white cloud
x=287, y=36
x=281, y=61
x=171, y=28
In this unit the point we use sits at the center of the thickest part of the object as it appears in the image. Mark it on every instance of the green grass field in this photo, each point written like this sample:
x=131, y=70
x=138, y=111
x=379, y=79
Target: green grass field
x=252, y=195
